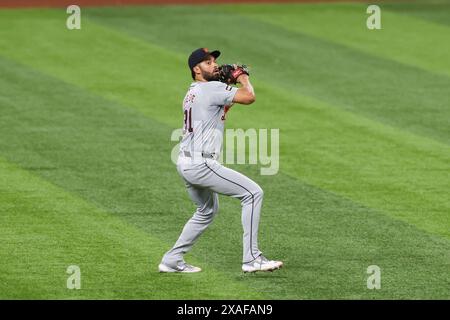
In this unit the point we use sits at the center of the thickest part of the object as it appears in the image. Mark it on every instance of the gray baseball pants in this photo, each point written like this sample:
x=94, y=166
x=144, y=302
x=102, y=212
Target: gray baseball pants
x=205, y=179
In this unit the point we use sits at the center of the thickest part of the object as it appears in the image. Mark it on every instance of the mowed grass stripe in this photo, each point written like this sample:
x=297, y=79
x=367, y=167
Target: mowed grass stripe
x=435, y=11
x=53, y=45
x=357, y=158
x=118, y=160
x=405, y=39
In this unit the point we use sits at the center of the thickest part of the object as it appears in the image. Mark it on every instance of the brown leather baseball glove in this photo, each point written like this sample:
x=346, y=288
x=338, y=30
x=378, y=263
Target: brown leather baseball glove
x=230, y=72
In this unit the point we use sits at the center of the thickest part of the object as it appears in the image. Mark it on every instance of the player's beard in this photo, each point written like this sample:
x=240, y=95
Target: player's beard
x=210, y=76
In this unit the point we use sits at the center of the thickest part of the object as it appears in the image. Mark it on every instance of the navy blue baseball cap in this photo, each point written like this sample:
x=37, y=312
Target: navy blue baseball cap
x=200, y=55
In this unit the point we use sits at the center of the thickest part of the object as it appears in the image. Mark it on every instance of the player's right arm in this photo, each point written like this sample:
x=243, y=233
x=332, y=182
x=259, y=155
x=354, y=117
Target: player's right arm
x=246, y=93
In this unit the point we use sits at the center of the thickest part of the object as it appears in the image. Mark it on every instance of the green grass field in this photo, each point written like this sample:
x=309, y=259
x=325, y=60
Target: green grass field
x=364, y=116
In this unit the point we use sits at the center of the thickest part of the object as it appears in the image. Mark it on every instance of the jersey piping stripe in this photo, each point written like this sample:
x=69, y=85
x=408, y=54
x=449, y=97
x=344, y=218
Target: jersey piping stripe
x=253, y=201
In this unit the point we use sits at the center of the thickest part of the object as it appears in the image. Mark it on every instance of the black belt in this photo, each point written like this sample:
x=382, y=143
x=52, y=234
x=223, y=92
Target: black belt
x=204, y=154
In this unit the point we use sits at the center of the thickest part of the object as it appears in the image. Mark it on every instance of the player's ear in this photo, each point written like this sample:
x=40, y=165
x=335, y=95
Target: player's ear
x=197, y=70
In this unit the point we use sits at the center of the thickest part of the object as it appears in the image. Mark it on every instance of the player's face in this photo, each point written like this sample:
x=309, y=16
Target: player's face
x=209, y=69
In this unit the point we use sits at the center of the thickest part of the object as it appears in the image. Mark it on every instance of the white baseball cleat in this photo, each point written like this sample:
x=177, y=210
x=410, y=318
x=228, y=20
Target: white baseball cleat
x=182, y=267
x=261, y=264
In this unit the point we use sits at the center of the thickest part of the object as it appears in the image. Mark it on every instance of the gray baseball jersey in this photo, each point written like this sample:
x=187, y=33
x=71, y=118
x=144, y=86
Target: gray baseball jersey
x=204, y=108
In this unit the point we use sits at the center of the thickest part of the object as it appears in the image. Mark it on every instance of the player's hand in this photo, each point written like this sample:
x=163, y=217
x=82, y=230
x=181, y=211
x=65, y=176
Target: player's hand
x=230, y=73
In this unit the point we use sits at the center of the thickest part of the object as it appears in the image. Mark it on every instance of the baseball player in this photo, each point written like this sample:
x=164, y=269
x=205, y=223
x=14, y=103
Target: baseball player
x=204, y=107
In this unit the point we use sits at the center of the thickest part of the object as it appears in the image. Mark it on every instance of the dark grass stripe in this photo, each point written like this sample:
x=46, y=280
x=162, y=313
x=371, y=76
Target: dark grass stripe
x=435, y=11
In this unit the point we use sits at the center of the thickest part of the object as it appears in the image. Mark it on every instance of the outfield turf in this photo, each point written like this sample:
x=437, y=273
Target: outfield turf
x=86, y=177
